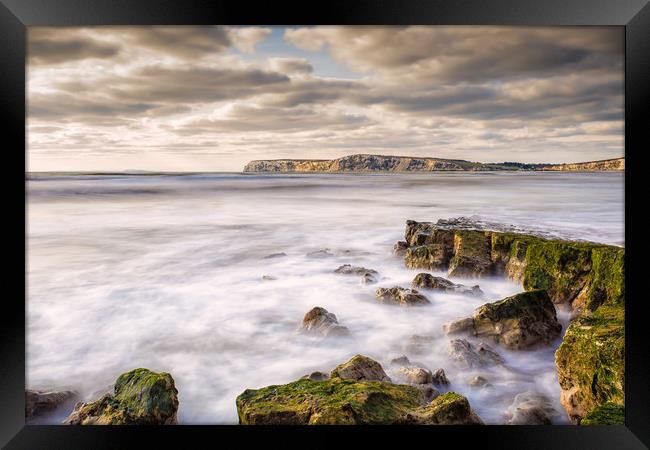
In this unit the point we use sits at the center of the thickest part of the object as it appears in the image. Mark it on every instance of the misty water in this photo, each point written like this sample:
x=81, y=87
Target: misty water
x=165, y=272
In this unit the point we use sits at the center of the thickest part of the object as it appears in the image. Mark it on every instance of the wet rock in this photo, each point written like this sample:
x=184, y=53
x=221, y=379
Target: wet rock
x=368, y=278
x=316, y=376
x=400, y=248
x=531, y=408
x=428, y=281
x=401, y=296
x=415, y=375
x=319, y=320
x=268, y=278
x=141, y=397
x=38, y=402
x=348, y=269
x=469, y=356
x=430, y=257
x=518, y=322
x=447, y=409
x=606, y=414
x=427, y=391
x=324, y=253
x=439, y=378
x=478, y=381
x=472, y=257
x=275, y=255
x=360, y=368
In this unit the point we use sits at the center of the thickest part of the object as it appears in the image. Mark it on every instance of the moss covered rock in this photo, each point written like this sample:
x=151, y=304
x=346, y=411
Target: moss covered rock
x=428, y=281
x=141, y=397
x=591, y=361
x=348, y=402
x=471, y=254
x=606, y=414
x=430, y=257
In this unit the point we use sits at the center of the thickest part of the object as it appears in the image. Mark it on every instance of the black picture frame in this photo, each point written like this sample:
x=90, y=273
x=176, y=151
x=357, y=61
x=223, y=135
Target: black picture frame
x=17, y=15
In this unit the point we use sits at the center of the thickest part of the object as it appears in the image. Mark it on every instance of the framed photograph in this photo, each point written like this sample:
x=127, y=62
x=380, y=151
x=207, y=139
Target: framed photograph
x=276, y=220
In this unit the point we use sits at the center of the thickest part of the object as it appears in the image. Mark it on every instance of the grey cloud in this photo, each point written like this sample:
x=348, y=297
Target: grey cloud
x=46, y=46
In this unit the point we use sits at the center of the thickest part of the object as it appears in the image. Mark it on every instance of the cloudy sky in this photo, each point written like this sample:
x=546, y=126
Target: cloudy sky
x=213, y=98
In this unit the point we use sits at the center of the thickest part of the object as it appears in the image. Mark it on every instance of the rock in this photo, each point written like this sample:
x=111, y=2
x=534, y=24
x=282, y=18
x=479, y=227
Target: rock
x=428, y=281
x=400, y=247
x=478, y=381
x=140, y=397
x=472, y=257
x=416, y=375
x=316, y=376
x=38, y=402
x=531, y=408
x=590, y=361
x=348, y=269
x=275, y=255
x=347, y=402
x=319, y=320
x=401, y=296
x=368, y=278
x=268, y=278
x=518, y=322
x=440, y=378
x=465, y=325
x=400, y=361
x=360, y=368
x=469, y=356
x=447, y=409
x=427, y=392
x=430, y=257
x=607, y=414
x=419, y=344
x=324, y=253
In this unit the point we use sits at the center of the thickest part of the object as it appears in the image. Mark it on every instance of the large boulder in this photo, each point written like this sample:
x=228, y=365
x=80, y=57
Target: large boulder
x=469, y=356
x=428, y=281
x=360, y=368
x=531, y=408
x=38, y=402
x=521, y=321
x=348, y=402
x=141, y=397
x=401, y=296
x=591, y=361
x=415, y=375
x=319, y=320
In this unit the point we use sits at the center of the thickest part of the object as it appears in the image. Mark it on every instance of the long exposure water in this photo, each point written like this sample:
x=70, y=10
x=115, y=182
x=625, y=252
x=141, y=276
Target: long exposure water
x=165, y=272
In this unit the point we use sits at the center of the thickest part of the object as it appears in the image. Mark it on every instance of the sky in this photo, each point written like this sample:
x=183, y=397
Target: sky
x=212, y=98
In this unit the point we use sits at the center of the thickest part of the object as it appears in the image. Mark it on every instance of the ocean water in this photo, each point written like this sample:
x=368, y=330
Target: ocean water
x=165, y=272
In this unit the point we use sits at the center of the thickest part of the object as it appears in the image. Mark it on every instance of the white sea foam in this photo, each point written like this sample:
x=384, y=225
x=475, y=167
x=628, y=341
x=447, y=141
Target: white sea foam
x=166, y=273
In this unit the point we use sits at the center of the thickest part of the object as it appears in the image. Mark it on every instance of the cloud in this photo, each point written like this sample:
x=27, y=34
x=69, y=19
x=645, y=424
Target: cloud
x=291, y=65
x=246, y=38
x=47, y=46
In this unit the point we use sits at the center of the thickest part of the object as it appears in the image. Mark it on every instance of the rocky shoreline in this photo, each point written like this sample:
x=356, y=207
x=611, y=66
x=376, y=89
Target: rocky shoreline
x=587, y=279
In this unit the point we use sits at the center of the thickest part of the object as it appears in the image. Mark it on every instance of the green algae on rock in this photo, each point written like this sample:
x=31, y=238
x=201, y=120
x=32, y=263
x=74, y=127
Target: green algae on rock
x=348, y=402
x=141, y=397
x=591, y=361
x=606, y=414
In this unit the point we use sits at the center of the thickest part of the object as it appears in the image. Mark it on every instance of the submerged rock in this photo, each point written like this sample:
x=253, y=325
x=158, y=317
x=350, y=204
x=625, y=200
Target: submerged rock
x=606, y=414
x=531, y=408
x=38, y=402
x=141, y=397
x=360, y=368
x=348, y=269
x=469, y=356
x=324, y=253
x=401, y=296
x=319, y=320
x=275, y=255
x=268, y=278
x=368, y=278
x=521, y=321
x=478, y=381
x=420, y=344
x=428, y=281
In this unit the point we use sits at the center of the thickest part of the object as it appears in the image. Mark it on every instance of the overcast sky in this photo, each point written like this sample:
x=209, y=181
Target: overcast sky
x=213, y=98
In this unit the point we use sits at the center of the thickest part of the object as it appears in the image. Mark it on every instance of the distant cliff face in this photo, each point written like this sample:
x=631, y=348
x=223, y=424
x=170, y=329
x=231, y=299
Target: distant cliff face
x=605, y=165
x=380, y=163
